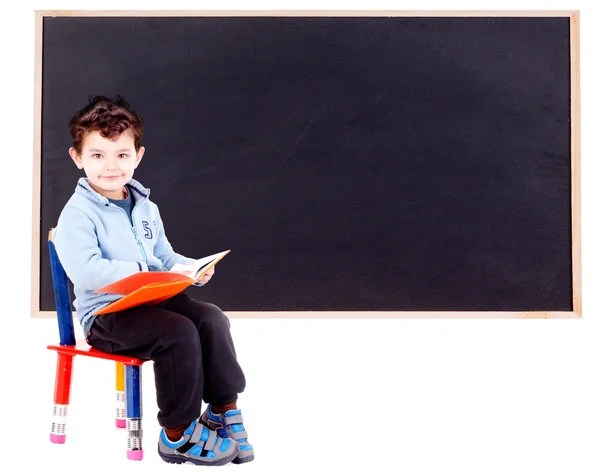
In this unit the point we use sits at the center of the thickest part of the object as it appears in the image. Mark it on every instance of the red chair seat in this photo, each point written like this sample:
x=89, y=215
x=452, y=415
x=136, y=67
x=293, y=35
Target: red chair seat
x=82, y=348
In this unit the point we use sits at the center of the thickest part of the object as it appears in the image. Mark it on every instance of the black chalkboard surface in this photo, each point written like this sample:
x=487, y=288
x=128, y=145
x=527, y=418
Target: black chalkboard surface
x=381, y=163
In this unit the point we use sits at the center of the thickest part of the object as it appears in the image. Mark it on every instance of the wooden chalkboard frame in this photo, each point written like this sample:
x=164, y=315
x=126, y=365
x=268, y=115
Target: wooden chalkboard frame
x=573, y=15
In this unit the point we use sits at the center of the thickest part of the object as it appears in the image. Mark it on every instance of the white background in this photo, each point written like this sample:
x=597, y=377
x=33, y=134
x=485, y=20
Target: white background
x=404, y=396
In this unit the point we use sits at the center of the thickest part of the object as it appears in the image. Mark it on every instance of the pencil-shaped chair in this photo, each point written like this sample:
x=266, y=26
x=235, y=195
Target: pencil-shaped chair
x=128, y=369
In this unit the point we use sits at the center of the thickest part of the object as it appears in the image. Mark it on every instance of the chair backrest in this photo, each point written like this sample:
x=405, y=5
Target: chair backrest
x=62, y=296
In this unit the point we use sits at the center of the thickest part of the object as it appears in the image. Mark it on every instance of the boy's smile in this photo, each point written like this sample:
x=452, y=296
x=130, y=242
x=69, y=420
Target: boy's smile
x=108, y=164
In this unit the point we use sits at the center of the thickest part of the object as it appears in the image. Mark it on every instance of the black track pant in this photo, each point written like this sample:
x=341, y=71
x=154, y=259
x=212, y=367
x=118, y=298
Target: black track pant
x=192, y=349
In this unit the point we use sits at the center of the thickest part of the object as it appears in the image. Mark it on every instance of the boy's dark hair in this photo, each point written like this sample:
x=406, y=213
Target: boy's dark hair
x=110, y=116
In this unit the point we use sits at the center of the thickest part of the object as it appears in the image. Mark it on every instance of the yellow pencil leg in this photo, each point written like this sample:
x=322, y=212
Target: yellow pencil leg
x=120, y=385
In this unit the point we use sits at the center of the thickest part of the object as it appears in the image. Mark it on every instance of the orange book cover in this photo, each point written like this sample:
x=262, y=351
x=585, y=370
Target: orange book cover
x=149, y=294
x=150, y=288
x=140, y=279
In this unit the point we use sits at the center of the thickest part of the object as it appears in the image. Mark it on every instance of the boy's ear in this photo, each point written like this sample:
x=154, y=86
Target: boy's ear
x=139, y=155
x=76, y=158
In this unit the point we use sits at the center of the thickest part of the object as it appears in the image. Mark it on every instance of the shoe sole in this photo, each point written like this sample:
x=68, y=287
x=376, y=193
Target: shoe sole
x=179, y=459
x=250, y=458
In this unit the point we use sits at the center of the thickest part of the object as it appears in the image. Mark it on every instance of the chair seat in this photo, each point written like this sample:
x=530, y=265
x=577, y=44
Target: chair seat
x=82, y=348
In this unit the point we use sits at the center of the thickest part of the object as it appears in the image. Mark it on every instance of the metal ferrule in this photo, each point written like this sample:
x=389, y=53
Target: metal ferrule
x=134, y=434
x=59, y=419
x=120, y=405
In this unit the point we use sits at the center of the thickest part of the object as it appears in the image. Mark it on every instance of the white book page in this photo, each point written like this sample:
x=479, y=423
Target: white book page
x=192, y=270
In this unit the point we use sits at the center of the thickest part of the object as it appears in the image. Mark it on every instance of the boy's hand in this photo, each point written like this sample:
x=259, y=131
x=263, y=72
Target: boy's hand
x=206, y=277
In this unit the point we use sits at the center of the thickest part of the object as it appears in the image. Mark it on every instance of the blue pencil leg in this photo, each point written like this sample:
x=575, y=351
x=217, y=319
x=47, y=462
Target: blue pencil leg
x=133, y=412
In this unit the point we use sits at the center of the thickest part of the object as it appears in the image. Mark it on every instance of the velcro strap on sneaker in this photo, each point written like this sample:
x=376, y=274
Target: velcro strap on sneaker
x=239, y=435
x=237, y=419
x=195, y=438
x=210, y=443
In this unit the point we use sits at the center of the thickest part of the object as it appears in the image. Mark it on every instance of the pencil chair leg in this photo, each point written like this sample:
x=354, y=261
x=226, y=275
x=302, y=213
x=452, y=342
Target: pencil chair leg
x=120, y=421
x=62, y=390
x=133, y=411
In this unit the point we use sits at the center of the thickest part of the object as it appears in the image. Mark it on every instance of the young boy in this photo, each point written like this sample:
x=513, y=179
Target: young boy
x=108, y=230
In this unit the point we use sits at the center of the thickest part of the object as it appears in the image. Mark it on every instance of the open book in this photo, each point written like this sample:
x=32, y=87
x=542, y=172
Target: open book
x=200, y=266
x=150, y=288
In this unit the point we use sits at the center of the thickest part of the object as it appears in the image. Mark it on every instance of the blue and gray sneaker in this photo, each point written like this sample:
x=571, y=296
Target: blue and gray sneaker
x=230, y=425
x=199, y=445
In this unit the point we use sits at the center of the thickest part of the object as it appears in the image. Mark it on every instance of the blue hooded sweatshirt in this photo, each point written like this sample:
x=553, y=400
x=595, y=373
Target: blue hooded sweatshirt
x=97, y=245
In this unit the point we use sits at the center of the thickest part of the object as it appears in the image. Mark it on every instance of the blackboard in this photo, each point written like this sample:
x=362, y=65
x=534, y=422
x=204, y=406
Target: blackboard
x=404, y=164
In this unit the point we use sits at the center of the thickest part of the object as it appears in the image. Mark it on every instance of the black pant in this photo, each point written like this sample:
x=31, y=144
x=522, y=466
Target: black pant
x=192, y=349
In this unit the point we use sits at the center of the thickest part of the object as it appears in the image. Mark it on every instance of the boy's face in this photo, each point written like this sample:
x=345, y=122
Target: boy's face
x=108, y=164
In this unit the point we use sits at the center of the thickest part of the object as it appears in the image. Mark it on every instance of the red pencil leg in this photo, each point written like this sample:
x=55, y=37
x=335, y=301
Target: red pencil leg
x=62, y=388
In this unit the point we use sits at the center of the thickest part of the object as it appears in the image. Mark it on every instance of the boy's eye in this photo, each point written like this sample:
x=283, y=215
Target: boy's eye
x=123, y=155
x=97, y=155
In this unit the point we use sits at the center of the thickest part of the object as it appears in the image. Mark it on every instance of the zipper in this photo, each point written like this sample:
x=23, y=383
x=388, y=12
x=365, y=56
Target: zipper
x=139, y=242
x=135, y=234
